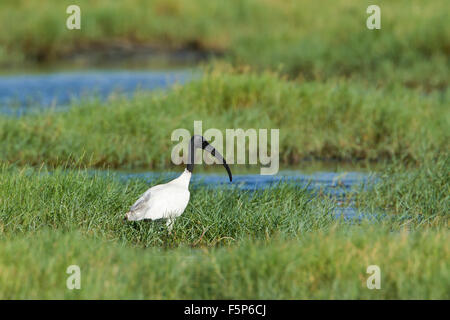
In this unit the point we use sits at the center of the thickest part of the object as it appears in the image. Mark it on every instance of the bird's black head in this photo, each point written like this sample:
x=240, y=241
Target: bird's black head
x=198, y=141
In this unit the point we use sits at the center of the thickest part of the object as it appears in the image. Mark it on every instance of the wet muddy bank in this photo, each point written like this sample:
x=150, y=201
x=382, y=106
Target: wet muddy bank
x=123, y=54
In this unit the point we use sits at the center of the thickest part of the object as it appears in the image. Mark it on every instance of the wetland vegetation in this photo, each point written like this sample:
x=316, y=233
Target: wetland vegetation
x=336, y=90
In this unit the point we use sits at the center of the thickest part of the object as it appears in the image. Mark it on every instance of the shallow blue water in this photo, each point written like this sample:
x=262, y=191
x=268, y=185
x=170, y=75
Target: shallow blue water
x=20, y=93
x=336, y=185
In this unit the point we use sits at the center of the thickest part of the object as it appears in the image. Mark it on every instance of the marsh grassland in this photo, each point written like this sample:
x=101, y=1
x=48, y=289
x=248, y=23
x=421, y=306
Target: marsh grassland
x=340, y=120
x=318, y=40
x=334, y=89
x=280, y=243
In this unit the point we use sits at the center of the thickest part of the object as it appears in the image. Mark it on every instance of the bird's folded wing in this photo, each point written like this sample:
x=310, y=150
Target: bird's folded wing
x=142, y=201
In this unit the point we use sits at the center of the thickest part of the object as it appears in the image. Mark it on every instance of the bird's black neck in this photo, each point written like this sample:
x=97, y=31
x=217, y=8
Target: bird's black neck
x=191, y=156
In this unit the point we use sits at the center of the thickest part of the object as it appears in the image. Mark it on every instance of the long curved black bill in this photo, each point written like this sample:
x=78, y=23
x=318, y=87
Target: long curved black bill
x=197, y=141
x=206, y=146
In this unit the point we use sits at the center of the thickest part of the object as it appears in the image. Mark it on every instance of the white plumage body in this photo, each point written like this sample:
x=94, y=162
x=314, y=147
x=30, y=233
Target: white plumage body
x=167, y=201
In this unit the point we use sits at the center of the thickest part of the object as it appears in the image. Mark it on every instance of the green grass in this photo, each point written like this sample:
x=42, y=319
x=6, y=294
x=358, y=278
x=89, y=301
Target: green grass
x=320, y=265
x=420, y=191
x=280, y=244
x=96, y=204
x=316, y=40
x=335, y=119
x=335, y=90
